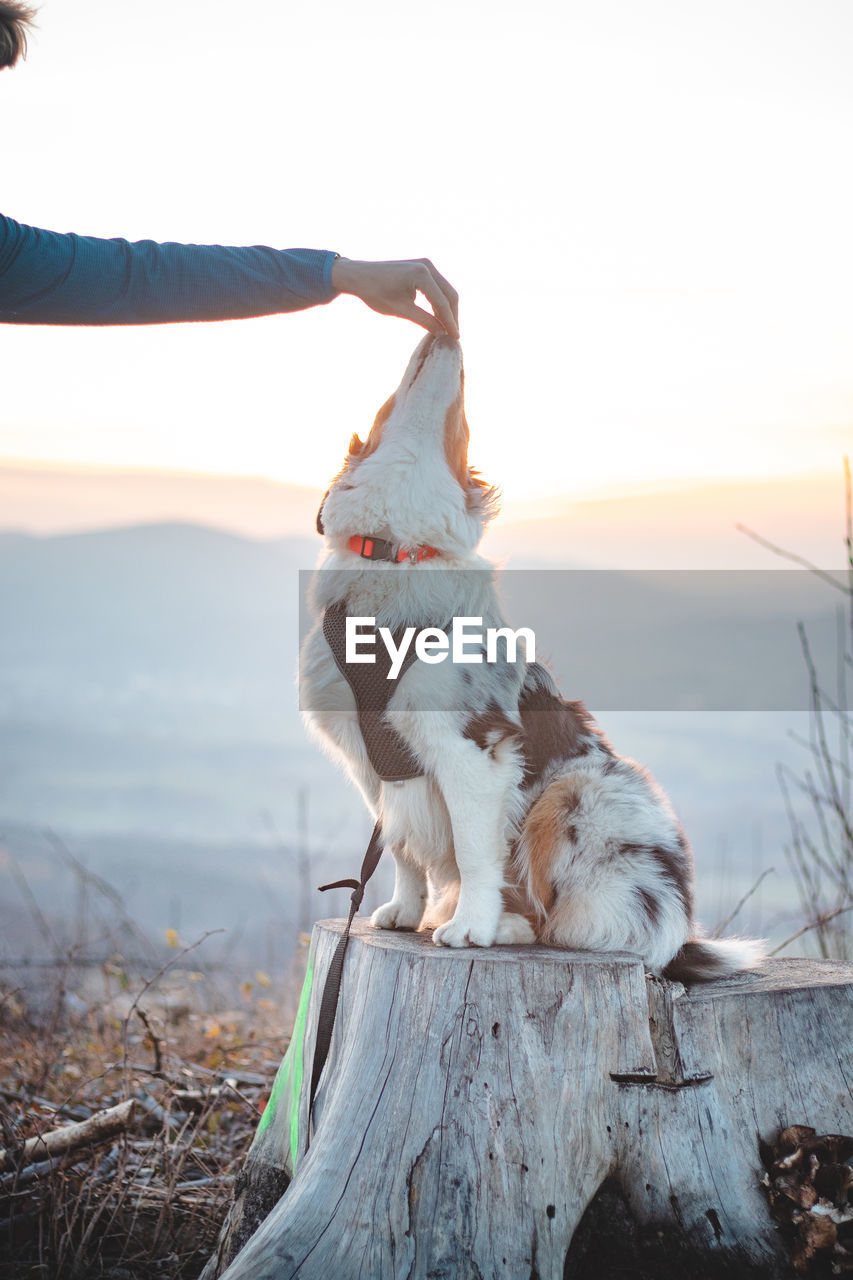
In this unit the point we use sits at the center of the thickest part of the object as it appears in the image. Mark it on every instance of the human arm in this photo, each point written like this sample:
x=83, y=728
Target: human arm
x=49, y=278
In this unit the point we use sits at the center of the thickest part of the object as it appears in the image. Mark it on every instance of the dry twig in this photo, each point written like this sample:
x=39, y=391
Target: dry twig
x=100, y=1127
x=730, y=917
x=813, y=924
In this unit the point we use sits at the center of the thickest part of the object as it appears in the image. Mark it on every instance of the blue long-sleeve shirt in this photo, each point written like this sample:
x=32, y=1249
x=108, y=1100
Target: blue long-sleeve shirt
x=48, y=278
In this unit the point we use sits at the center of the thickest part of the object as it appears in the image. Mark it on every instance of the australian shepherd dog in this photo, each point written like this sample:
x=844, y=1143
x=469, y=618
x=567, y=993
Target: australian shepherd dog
x=524, y=823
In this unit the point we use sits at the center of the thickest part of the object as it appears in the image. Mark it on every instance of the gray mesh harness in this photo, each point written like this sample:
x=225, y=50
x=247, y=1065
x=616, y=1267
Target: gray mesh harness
x=372, y=690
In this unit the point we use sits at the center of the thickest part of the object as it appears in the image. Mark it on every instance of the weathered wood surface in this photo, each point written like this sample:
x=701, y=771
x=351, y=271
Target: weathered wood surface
x=475, y=1101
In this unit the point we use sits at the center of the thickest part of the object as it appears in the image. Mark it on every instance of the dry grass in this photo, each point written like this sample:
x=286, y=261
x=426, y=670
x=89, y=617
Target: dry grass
x=149, y=1203
x=821, y=850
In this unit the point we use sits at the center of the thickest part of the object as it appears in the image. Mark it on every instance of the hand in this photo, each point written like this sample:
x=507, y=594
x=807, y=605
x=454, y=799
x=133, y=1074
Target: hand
x=390, y=288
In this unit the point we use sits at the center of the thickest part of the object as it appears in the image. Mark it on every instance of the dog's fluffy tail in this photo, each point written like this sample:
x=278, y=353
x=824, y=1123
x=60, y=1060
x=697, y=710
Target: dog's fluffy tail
x=703, y=959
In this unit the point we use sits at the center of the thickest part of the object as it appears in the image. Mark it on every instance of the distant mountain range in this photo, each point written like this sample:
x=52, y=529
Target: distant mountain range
x=686, y=527
x=148, y=711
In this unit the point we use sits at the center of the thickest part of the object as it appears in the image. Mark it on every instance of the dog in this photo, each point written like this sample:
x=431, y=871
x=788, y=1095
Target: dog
x=511, y=818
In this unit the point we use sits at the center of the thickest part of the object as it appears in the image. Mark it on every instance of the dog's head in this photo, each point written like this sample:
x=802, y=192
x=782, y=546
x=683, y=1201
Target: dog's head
x=409, y=481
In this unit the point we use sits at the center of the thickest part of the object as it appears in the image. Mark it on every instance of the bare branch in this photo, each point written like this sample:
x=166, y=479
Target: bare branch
x=158, y=975
x=103, y=887
x=795, y=559
x=100, y=1127
x=35, y=910
x=819, y=923
x=729, y=918
x=848, y=538
x=823, y=755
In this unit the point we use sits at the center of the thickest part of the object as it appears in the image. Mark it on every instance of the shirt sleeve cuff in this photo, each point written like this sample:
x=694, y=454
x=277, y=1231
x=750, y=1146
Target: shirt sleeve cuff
x=327, y=272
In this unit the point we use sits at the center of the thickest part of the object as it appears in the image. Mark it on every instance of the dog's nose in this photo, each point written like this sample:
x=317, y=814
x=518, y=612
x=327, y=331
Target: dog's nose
x=436, y=342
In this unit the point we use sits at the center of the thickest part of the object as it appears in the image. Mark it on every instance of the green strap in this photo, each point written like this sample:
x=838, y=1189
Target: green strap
x=288, y=1081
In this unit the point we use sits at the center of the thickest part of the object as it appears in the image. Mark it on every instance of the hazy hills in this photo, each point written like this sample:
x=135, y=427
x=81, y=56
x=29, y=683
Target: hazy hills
x=686, y=527
x=148, y=713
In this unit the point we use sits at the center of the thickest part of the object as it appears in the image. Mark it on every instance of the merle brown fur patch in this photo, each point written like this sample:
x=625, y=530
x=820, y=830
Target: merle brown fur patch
x=673, y=867
x=553, y=730
x=490, y=728
x=545, y=829
x=650, y=905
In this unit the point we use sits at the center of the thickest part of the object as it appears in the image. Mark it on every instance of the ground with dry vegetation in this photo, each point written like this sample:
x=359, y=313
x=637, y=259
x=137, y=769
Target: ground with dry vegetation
x=146, y=1200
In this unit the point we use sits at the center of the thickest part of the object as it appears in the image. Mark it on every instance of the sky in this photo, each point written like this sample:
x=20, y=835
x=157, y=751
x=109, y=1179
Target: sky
x=646, y=209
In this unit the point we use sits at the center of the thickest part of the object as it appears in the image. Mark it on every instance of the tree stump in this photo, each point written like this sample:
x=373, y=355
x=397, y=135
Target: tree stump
x=476, y=1103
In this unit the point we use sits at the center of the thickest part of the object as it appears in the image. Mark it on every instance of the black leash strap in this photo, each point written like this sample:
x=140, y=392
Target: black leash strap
x=332, y=989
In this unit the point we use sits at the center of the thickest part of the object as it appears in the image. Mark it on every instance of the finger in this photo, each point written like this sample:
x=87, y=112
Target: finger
x=440, y=304
x=446, y=287
x=408, y=311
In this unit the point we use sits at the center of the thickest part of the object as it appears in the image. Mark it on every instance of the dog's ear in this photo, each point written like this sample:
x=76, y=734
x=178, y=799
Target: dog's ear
x=482, y=499
x=360, y=449
x=456, y=441
x=320, y=528
x=374, y=438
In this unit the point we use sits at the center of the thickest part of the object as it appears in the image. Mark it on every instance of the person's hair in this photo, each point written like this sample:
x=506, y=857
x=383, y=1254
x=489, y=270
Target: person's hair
x=15, y=18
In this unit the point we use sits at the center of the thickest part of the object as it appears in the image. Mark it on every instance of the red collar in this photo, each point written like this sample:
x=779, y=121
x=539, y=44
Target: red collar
x=380, y=549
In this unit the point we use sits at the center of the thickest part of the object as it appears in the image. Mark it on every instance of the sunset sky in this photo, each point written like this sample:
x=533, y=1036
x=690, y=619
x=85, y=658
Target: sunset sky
x=646, y=208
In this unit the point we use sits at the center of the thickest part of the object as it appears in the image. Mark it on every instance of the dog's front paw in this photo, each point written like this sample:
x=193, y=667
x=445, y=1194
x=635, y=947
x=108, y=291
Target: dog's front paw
x=514, y=929
x=397, y=915
x=466, y=931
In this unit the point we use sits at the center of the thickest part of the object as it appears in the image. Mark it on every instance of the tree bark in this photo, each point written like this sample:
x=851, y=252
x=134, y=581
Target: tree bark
x=477, y=1102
